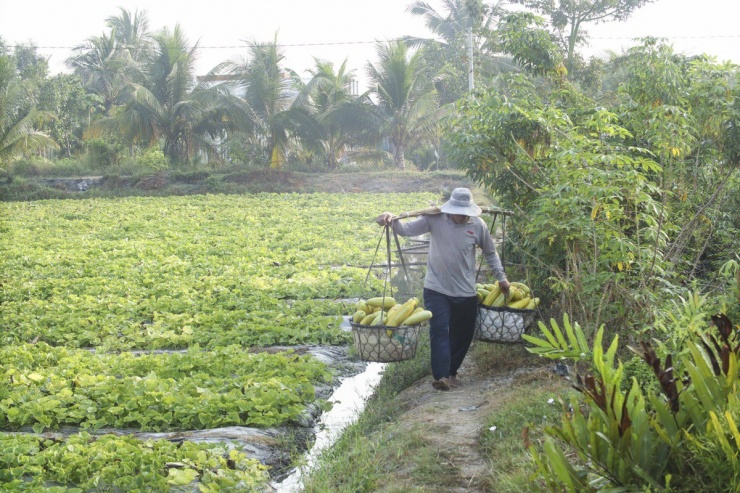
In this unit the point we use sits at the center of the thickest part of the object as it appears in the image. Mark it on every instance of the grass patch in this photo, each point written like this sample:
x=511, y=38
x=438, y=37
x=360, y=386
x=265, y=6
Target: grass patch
x=501, y=358
x=379, y=454
x=524, y=404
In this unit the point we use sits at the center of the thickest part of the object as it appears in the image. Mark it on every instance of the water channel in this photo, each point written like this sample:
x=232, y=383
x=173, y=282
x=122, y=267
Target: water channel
x=348, y=401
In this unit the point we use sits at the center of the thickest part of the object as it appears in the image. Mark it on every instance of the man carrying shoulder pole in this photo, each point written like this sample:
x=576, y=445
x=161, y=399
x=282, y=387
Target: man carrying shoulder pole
x=449, y=285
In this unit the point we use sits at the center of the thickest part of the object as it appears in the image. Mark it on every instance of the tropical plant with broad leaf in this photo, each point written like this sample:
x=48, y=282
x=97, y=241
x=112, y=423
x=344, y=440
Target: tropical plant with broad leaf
x=102, y=65
x=264, y=105
x=132, y=32
x=568, y=342
x=639, y=440
x=329, y=100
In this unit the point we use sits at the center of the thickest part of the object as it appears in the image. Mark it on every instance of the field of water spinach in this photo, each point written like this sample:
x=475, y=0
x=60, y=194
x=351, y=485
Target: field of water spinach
x=86, y=282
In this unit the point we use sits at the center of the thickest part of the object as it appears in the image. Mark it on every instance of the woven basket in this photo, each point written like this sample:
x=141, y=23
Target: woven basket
x=385, y=344
x=502, y=324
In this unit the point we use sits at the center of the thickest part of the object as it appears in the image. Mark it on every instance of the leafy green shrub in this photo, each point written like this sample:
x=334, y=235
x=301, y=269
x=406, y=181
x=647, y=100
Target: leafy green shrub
x=709, y=459
x=23, y=189
x=103, y=154
x=70, y=167
x=213, y=181
x=154, y=159
x=688, y=318
x=425, y=158
x=28, y=166
x=678, y=321
x=635, y=368
x=638, y=439
x=730, y=272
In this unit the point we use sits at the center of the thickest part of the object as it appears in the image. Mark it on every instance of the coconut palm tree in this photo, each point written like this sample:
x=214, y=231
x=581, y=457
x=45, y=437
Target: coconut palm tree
x=462, y=29
x=106, y=63
x=19, y=123
x=102, y=64
x=405, y=108
x=168, y=106
x=330, y=100
x=132, y=32
x=453, y=27
x=266, y=105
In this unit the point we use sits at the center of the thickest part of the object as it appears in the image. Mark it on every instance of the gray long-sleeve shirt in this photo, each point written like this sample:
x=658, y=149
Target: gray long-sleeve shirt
x=451, y=260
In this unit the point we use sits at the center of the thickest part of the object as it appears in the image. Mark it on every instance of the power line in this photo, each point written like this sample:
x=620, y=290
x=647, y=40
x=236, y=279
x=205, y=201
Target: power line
x=230, y=47
x=670, y=37
x=342, y=43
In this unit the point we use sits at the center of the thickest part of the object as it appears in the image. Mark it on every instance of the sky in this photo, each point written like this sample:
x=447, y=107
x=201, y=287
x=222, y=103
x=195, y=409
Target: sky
x=336, y=30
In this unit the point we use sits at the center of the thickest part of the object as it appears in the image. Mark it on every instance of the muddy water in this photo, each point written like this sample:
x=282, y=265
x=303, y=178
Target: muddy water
x=348, y=400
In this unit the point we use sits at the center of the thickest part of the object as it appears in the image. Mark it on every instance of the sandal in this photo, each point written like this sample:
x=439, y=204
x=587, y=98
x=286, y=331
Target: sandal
x=441, y=384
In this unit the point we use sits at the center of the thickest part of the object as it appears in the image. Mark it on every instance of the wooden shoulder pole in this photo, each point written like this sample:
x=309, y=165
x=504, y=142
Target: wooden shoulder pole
x=435, y=210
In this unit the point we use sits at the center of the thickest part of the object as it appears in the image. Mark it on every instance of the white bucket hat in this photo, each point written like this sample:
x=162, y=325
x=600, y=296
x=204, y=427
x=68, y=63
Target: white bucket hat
x=461, y=202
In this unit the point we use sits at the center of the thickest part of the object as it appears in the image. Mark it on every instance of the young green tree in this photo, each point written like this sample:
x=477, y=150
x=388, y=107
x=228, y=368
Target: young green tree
x=522, y=35
x=568, y=17
x=30, y=64
x=607, y=196
x=683, y=110
x=65, y=96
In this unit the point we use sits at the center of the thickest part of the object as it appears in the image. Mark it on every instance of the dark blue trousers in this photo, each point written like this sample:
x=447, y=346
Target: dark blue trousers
x=450, y=330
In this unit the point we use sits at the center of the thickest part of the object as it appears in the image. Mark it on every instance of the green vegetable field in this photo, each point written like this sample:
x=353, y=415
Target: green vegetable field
x=86, y=282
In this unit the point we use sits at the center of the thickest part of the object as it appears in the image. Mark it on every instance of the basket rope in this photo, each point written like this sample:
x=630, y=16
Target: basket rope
x=386, y=232
x=493, y=225
x=381, y=343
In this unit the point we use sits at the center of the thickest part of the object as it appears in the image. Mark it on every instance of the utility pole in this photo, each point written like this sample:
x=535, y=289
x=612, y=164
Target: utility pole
x=475, y=11
x=471, y=82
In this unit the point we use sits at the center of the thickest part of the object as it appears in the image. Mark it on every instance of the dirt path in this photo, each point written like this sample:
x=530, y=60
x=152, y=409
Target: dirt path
x=451, y=422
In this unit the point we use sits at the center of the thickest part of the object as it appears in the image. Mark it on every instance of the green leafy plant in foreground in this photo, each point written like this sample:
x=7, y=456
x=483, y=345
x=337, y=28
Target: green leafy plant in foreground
x=152, y=273
x=46, y=387
x=639, y=440
x=82, y=462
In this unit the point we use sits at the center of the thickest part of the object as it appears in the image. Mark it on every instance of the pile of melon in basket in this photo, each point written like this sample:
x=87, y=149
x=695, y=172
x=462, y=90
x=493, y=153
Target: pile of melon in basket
x=520, y=296
x=384, y=311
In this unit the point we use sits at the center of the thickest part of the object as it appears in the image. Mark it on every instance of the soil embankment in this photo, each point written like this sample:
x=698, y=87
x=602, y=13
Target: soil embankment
x=232, y=182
